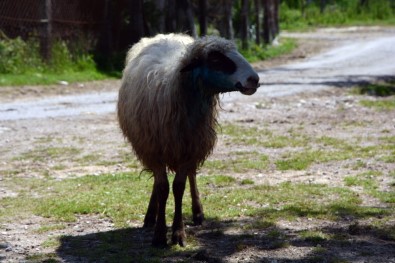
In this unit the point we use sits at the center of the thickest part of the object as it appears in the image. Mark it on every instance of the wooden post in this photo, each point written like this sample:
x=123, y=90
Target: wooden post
x=46, y=29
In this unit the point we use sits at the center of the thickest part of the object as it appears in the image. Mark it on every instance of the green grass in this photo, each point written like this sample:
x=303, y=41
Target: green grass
x=339, y=13
x=46, y=78
x=315, y=237
x=239, y=162
x=383, y=91
x=41, y=154
x=123, y=197
x=21, y=64
x=298, y=153
x=382, y=105
x=369, y=181
x=257, y=53
x=238, y=134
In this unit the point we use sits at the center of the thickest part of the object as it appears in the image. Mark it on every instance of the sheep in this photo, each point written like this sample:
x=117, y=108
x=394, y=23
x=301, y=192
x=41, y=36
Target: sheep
x=167, y=111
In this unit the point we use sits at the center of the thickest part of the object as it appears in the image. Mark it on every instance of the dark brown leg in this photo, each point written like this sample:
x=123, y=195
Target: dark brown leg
x=161, y=186
x=197, y=208
x=152, y=211
x=178, y=236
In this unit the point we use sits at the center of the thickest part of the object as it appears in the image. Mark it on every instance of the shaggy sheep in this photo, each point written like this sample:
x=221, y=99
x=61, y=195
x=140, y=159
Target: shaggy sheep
x=167, y=111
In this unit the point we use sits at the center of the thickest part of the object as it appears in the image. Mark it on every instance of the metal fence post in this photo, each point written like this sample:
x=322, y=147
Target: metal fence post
x=46, y=29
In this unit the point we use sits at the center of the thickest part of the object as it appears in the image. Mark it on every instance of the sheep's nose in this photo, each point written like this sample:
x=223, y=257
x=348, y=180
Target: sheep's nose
x=253, y=80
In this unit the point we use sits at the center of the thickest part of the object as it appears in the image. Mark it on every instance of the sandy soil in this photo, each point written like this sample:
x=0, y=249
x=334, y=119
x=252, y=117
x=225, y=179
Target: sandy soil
x=307, y=88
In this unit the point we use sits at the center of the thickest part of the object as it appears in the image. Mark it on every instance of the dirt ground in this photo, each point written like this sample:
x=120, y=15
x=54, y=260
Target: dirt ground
x=332, y=111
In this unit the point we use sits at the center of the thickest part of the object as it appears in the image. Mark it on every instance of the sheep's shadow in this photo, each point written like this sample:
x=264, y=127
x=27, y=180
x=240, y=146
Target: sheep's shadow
x=217, y=241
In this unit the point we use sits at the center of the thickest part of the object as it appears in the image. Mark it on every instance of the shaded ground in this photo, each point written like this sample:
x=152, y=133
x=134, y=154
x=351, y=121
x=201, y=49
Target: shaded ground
x=303, y=99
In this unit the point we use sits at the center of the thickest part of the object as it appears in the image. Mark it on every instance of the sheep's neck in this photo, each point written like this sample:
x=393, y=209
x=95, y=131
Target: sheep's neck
x=199, y=101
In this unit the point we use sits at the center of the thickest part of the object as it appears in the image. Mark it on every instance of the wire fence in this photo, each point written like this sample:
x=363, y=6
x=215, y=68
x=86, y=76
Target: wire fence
x=48, y=20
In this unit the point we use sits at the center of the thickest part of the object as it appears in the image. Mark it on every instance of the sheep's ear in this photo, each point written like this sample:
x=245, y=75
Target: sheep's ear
x=192, y=65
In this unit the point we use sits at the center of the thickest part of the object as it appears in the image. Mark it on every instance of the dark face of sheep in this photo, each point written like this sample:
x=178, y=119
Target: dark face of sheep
x=224, y=72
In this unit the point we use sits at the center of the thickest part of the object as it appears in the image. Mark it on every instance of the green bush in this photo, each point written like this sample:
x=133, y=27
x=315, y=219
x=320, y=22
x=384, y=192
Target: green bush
x=295, y=16
x=291, y=18
x=256, y=52
x=19, y=56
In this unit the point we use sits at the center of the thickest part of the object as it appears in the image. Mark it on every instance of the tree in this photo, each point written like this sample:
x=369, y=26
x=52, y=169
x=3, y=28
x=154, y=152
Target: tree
x=136, y=25
x=322, y=6
x=203, y=17
x=257, y=22
x=161, y=13
x=270, y=20
x=185, y=18
x=244, y=24
x=225, y=26
x=170, y=19
x=46, y=30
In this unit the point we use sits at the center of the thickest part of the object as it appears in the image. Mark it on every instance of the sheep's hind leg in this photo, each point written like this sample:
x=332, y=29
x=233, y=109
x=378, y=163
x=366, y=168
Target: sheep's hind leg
x=197, y=208
x=152, y=211
x=161, y=187
x=179, y=236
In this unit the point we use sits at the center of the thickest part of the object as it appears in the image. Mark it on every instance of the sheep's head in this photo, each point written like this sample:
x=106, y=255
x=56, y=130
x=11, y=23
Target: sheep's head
x=223, y=71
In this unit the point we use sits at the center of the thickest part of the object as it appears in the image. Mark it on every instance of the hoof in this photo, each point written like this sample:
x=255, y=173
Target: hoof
x=179, y=237
x=198, y=219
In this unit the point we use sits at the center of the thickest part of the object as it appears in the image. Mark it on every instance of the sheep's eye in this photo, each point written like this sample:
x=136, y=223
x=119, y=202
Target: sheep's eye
x=219, y=62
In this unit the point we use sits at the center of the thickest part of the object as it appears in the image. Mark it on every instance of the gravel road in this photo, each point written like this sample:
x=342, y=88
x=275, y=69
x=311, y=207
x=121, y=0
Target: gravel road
x=358, y=55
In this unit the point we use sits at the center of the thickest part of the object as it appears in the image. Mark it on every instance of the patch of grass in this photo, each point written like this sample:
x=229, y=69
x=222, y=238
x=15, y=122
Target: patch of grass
x=51, y=242
x=286, y=201
x=315, y=237
x=242, y=163
x=47, y=78
x=90, y=158
x=301, y=160
x=44, y=153
x=123, y=197
x=384, y=105
x=247, y=182
x=383, y=89
x=368, y=181
x=98, y=195
x=257, y=53
x=238, y=134
x=49, y=228
x=43, y=257
x=220, y=180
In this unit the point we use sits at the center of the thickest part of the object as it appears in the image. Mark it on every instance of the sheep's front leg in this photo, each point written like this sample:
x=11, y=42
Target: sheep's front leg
x=197, y=208
x=161, y=188
x=179, y=236
x=152, y=211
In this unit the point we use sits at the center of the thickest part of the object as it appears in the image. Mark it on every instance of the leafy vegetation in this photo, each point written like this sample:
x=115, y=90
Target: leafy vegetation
x=297, y=15
x=22, y=64
x=257, y=52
